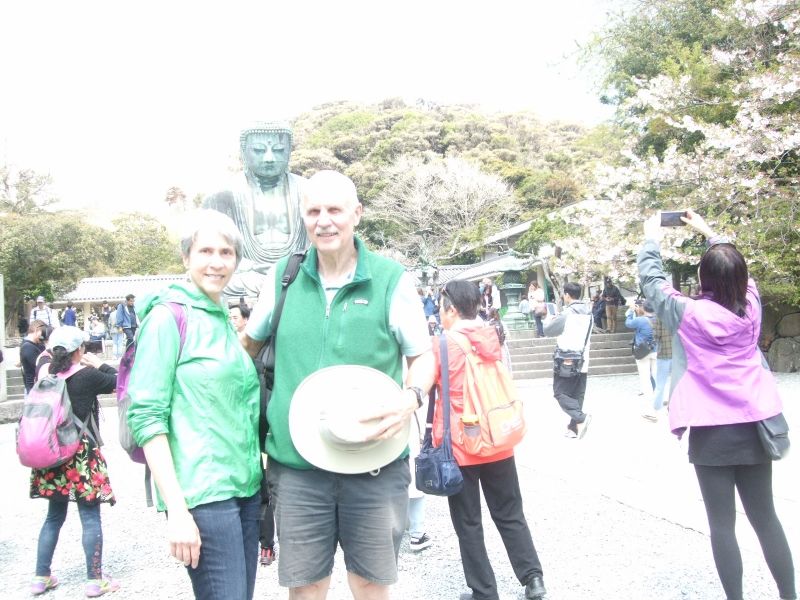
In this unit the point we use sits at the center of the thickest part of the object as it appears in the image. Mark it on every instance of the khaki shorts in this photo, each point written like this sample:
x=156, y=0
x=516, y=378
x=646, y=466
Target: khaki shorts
x=317, y=510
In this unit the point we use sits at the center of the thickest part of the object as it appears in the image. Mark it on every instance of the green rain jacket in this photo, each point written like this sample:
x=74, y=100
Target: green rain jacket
x=205, y=397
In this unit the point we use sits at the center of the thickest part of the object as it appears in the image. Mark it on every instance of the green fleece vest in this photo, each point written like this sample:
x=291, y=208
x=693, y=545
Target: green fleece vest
x=353, y=331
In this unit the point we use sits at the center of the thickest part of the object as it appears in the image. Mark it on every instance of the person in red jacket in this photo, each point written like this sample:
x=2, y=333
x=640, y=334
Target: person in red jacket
x=496, y=475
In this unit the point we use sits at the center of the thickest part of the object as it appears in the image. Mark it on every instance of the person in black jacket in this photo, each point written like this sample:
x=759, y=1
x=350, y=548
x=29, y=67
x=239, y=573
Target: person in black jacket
x=32, y=346
x=83, y=479
x=613, y=298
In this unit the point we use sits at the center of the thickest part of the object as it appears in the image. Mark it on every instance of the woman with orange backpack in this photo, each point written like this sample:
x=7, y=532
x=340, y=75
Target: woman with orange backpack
x=494, y=473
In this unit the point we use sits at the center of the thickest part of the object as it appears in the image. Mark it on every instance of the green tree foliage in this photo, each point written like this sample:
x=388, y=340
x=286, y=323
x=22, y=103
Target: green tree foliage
x=541, y=233
x=543, y=165
x=654, y=37
x=714, y=125
x=47, y=253
x=675, y=38
x=141, y=245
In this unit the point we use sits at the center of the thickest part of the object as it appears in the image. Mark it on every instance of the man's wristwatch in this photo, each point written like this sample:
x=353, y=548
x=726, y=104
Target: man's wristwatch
x=419, y=393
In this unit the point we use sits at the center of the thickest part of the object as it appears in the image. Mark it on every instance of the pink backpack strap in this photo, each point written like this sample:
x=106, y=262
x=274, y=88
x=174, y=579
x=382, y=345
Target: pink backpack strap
x=74, y=368
x=179, y=312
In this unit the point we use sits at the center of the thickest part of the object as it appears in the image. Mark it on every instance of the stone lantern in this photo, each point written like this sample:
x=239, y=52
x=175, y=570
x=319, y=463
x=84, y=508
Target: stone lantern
x=513, y=289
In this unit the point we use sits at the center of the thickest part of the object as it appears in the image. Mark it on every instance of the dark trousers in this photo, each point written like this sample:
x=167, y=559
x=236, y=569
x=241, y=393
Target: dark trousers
x=569, y=392
x=130, y=332
x=754, y=484
x=501, y=489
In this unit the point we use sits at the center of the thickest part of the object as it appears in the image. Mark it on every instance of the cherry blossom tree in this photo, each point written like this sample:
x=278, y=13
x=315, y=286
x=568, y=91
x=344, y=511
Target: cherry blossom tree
x=741, y=173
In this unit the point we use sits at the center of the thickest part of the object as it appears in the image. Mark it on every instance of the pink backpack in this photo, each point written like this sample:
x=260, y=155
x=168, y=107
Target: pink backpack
x=49, y=434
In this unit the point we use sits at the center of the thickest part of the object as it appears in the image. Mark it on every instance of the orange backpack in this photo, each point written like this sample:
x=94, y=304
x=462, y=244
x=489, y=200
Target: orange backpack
x=493, y=420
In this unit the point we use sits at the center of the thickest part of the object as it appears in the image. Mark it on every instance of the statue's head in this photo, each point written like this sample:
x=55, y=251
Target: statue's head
x=266, y=148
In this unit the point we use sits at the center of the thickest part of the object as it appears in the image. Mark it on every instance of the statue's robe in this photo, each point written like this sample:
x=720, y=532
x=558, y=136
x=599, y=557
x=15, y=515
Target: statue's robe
x=271, y=223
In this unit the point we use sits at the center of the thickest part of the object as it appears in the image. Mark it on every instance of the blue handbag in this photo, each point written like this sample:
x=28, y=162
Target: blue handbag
x=436, y=470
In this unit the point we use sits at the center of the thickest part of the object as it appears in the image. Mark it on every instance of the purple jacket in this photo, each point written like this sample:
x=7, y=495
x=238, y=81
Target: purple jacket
x=719, y=375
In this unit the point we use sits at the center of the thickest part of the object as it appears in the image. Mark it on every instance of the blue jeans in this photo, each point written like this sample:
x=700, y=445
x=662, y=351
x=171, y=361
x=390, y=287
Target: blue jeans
x=119, y=347
x=663, y=370
x=229, y=551
x=92, y=537
x=416, y=516
x=647, y=372
x=539, y=326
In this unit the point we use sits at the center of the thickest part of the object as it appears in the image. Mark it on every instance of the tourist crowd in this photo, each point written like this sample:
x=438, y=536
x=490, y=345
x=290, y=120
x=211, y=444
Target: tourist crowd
x=357, y=350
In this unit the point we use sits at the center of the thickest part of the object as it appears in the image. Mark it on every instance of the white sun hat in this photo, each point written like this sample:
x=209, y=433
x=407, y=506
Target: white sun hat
x=324, y=419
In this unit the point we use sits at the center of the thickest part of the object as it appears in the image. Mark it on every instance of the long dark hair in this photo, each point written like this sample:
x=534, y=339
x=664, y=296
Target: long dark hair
x=723, y=277
x=62, y=360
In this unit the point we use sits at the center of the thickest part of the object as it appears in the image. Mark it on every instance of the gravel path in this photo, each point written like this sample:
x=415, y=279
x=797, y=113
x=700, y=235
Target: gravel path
x=616, y=515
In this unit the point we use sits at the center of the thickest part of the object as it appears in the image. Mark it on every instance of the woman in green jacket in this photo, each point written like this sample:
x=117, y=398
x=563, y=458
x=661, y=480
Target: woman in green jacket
x=194, y=410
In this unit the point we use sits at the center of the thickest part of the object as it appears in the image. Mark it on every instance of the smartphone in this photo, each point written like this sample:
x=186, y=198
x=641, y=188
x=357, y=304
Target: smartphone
x=672, y=218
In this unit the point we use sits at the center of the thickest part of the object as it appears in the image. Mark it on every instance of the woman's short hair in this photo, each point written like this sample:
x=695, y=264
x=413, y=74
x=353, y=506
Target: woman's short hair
x=723, y=277
x=211, y=221
x=464, y=296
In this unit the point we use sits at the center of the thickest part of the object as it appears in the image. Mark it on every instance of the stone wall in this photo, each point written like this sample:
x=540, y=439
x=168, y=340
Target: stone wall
x=780, y=337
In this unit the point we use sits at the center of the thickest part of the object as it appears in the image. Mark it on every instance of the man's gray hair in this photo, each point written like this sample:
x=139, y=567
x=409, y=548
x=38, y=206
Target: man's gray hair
x=212, y=221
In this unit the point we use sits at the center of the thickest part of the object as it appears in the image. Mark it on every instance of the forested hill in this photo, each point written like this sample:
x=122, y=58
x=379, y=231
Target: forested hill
x=433, y=176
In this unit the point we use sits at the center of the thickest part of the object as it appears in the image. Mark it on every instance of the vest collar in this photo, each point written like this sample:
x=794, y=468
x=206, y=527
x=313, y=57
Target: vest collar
x=362, y=273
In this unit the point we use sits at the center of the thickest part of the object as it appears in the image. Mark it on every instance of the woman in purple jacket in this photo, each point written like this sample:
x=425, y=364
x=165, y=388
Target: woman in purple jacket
x=721, y=386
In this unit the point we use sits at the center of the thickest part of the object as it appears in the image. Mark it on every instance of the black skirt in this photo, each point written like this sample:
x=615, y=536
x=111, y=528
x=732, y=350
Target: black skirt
x=726, y=445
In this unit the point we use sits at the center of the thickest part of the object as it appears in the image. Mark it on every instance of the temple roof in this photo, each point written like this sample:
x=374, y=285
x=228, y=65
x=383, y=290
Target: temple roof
x=114, y=289
x=491, y=267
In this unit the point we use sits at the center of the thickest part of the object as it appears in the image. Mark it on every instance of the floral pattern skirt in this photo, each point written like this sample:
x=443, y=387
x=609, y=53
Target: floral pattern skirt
x=83, y=478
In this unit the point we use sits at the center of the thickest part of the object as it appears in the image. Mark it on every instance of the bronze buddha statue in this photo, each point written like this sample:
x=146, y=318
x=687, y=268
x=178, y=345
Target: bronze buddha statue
x=265, y=204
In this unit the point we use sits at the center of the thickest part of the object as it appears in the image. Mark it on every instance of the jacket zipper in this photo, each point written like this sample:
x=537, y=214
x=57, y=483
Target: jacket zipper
x=328, y=314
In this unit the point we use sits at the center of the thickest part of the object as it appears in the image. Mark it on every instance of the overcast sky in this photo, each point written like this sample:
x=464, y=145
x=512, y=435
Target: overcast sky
x=120, y=102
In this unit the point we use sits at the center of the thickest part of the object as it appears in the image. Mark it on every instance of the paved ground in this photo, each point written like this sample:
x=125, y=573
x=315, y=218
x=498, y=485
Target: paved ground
x=616, y=515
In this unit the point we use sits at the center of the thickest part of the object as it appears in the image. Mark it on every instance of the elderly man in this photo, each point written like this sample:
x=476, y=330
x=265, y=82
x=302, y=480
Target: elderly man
x=265, y=206
x=346, y=306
